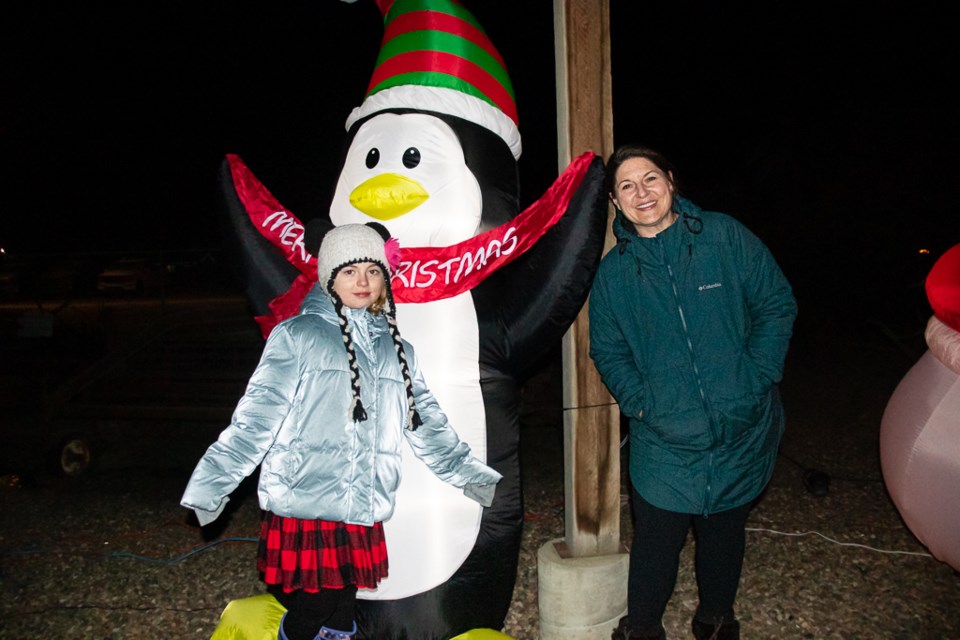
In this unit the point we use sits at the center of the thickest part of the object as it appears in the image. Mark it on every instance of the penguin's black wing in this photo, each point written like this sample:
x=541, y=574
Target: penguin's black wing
x=266, y=273
x=527, y=306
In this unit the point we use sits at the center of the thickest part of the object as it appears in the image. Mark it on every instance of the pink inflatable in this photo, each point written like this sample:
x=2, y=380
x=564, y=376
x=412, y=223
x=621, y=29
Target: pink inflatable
x=920, y=428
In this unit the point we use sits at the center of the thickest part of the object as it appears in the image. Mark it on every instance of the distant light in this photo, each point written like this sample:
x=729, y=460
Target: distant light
x=924, y=252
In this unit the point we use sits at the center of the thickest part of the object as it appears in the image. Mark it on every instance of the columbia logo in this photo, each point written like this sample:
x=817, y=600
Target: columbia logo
x=712, y=285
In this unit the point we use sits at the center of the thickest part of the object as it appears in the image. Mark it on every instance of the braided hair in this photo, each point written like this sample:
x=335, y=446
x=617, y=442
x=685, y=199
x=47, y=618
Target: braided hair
x=390, y=311
x=342, y=246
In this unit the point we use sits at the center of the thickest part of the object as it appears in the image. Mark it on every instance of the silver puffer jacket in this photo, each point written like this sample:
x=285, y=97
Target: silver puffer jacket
x=316, y=462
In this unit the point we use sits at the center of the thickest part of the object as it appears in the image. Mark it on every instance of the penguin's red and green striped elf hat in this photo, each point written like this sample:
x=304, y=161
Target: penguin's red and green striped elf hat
x=436, y=57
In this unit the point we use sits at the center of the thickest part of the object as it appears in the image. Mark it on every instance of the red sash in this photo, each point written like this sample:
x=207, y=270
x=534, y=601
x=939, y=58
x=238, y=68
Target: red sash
x=425, y=273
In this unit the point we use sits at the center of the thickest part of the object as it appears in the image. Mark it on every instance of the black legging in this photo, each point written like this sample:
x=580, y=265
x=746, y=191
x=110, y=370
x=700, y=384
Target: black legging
x=307, y=612
x=658, y=537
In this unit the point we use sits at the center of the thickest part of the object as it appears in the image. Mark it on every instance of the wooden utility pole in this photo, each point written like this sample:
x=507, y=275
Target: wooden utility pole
x=582, y=579
x=592, y=419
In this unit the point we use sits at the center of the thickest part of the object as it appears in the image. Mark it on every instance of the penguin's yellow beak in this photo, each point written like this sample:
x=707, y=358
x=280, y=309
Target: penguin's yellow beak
x=388, y=196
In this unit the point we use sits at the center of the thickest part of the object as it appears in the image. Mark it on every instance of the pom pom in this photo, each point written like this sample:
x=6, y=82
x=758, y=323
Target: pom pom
x=392, y=250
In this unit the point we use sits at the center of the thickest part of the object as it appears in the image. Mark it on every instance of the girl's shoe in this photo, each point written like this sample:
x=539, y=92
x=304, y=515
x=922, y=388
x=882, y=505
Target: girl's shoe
x=280, y=634
x=327, y=633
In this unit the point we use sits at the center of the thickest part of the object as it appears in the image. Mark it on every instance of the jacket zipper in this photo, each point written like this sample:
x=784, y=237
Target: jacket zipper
x=696, y=373
x=374, y=368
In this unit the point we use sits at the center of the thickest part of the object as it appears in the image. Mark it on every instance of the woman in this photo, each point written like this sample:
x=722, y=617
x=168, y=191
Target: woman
x=336, y=393
x=690, y=318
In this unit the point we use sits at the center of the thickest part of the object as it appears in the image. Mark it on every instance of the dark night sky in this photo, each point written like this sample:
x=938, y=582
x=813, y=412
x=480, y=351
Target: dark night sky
x=830, y=133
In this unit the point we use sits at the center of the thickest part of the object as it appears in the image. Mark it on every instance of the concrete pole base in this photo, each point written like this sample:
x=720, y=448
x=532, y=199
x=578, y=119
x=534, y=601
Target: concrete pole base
x=580, y=598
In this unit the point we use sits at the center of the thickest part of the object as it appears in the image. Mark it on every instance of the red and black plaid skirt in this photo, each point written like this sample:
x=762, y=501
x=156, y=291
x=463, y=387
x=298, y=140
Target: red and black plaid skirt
x=315, y=554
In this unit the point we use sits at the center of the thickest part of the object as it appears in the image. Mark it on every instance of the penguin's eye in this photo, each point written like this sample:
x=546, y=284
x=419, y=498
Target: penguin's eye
x=411, y=157
x=373, y=158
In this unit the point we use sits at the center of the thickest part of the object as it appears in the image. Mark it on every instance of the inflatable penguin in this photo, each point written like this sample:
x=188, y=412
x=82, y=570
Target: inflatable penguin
x=483, y=291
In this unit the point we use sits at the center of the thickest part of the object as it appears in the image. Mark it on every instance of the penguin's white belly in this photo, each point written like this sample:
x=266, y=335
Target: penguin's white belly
x=434, y=526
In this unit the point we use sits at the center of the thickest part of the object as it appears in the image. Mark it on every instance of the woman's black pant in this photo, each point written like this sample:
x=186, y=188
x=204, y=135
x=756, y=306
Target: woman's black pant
x=658, y=537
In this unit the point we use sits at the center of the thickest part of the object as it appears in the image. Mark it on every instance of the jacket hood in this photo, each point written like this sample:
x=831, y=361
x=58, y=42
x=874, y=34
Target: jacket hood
x=318, y=302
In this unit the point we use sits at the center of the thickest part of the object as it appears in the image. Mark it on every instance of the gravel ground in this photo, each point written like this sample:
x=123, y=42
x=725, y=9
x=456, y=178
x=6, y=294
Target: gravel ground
x=111, y=555
x=98, y=558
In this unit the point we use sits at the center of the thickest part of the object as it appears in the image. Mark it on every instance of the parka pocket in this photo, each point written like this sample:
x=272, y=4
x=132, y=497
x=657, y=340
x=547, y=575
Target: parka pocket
x=674, y=410
x=739, y=397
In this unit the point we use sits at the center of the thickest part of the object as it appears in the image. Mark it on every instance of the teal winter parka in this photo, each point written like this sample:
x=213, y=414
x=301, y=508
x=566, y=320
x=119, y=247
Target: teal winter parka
x=316, y=462
x=689, y=331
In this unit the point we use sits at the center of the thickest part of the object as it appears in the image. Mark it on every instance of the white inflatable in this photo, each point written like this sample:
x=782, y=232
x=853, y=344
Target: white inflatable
x=920, y=429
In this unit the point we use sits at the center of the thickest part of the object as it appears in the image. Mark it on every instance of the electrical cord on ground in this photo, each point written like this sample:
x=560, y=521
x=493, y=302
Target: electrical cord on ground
x=105, y=607
x=134, y=556
x=124, y=554
x=624, y=499
x=842, y=544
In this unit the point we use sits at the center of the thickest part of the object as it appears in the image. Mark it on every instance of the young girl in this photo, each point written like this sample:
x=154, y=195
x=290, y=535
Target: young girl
x=336, y=393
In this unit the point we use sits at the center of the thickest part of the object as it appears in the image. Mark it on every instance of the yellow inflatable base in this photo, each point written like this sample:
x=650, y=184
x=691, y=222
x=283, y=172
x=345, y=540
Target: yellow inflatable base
x=254, y=618
x=258, y=618
x=482, y=634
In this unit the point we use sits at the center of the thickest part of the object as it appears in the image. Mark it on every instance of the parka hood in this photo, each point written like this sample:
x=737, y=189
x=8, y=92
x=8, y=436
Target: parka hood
x=318, y=302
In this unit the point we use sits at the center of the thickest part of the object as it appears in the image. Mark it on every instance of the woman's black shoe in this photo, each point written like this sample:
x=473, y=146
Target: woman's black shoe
x=716, y=630
x=625, y=632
